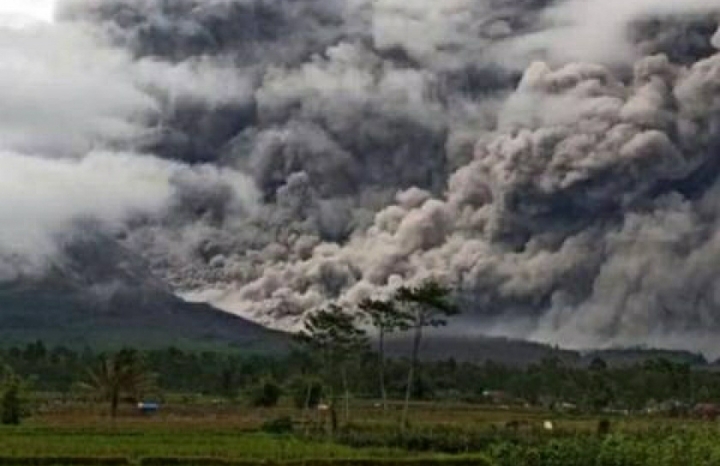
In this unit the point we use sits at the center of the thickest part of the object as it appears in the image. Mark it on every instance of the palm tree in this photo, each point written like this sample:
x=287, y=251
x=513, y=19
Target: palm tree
x=117, y=375
x=428, y=305
x=386, y=317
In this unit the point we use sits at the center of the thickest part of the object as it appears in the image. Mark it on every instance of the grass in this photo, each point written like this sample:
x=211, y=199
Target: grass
x=134, y=442
x=215, y=433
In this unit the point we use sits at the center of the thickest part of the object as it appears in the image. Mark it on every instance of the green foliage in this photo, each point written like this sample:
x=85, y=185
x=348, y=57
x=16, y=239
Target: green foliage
x=333, y=336
x=681, y=447
x=307, y=392
x=385, y=315
x=167, y=441
x=63, y=460
x=278, y=426
x=603, y=427
x=118, y=375
x=662, y=386
x=333, y=333
x=11, y=403
x=474, y=460
x=426, y=305
x=266, y=394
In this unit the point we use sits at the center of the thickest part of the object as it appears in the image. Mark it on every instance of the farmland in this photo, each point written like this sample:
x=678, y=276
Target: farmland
x=63, y=407
x=209, y=431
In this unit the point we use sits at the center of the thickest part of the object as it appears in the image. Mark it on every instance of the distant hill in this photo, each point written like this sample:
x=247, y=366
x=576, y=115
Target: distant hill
x=66, y=317
x=628, y=356
x=479, y=349
x=100, y=296
x=62, y=311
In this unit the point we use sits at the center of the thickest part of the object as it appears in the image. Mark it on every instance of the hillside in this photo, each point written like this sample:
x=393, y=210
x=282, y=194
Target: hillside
x=65, y=317
x=100, y=295
x=518, y=353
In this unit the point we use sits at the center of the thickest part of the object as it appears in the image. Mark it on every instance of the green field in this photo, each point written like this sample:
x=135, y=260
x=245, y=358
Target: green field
x=135, y=443
x=207, y=431
x=210, y=432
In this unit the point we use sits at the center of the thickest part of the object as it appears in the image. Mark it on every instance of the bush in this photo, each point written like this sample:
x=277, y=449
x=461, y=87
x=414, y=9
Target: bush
x=603, y=427
x=266, y=394
x=448, y=440
x=307, y=393
x=11, y=403
x=278, y=426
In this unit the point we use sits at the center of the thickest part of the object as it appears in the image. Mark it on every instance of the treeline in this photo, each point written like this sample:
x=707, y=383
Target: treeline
x=234, y=375
x=334, y=359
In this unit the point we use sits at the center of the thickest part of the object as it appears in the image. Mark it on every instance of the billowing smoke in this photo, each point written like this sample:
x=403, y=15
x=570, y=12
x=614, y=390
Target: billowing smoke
x=616, y=31
x=76, y=114
x=555, y=161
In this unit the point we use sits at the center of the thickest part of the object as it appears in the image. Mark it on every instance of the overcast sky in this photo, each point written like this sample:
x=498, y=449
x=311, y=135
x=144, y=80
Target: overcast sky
x=35, y=9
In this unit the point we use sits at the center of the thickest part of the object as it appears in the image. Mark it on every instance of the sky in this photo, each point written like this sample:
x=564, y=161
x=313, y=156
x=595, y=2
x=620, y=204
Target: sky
x=27, y=9
x=317, y=115
x=66, y=97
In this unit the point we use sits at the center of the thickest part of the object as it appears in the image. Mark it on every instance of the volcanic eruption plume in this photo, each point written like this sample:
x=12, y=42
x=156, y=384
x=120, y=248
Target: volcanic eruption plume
x=556, y=162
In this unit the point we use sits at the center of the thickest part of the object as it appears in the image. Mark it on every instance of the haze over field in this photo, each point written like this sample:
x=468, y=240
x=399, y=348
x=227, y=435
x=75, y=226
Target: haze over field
x=558, y=162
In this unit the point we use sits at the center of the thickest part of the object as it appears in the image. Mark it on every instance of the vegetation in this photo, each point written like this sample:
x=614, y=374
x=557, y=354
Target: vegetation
x=223, y=408
x=266, y=394
x=117, y=375
x=307, y=392
x=656, y=385
x=426, y=305
x=441, y=434
x=333, y=337
x=11, y=402
x=386, y=318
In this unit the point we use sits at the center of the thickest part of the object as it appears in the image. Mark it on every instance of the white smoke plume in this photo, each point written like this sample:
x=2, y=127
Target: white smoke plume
x=74, y=108
x=597, y=30
x=555, y=161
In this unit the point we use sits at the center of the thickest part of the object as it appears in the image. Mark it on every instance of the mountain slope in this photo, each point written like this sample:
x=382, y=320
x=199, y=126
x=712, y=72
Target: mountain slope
x=64, y=317
x=102, y=296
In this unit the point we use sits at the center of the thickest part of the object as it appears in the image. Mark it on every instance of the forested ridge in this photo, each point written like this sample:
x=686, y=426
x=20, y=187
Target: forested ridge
x=232, y=374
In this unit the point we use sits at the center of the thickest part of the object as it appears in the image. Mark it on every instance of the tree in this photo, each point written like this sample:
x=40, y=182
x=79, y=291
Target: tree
x=266, y=394
x=428, y=305
x=11, y=402
x=598, y=364
x=120, y=374
x=386, y=317
x=307, y=392
x=333, y=335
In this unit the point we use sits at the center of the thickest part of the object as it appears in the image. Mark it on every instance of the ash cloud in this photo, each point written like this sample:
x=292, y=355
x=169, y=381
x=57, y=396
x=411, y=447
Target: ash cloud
x=306, y=151
x=77, y=111
x=608, y=32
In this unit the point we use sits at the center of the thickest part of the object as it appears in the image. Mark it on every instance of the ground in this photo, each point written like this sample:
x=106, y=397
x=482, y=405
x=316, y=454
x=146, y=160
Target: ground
x=206, y=431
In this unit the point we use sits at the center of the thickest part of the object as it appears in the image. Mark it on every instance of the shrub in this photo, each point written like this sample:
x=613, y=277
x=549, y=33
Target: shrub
x=11, y=403
x=278, y=426
x=603, y=427
x=437, y=439
x=266, y=394
x=307, y=392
